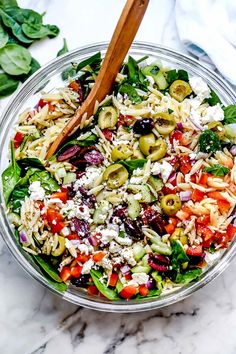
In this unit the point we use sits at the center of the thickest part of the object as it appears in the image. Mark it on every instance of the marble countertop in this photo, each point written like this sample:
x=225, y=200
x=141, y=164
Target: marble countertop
x=34, y=321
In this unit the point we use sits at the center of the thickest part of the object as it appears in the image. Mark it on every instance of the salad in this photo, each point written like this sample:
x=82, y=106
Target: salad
x=137, y=201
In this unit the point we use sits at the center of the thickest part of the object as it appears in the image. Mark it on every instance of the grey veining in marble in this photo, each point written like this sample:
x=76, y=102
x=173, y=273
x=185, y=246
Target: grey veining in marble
x=34, y=321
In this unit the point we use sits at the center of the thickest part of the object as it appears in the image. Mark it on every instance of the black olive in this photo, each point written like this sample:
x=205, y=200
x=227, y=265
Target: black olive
x=81, y=281
x=133, y=229
x=143, y=126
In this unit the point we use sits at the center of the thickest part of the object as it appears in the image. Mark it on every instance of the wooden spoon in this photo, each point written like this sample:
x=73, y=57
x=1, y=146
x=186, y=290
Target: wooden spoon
x=121, y=41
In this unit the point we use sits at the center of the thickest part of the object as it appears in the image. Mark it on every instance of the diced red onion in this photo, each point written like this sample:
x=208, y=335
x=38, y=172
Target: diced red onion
x=93, y=241
x=180, y=126
x=125, y=269
x=172, y=177
x=75, y=243
x=198, y=126
x=185, y=196
x=23, y=237
x=233, y=150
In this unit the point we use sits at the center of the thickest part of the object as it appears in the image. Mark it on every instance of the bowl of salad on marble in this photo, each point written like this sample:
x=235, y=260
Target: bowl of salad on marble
x=135, y=210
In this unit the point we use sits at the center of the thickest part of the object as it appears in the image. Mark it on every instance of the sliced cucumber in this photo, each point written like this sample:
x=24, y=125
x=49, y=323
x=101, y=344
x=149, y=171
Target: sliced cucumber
x=141, y=269
x=101, y=213
x=156, y=183
x=144, y=190
x=134, y=208
x=156, y=73
x=14, y=219
x=145, y=260
x=161, y=249
x=158, y=279
x=69, y=178
x=138, y=251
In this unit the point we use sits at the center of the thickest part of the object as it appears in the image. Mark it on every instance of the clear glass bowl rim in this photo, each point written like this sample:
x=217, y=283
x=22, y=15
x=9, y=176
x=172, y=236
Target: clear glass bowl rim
x=6, y=231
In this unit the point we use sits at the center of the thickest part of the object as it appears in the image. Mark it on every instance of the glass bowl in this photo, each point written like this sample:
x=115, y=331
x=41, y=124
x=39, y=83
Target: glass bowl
x=48, y=78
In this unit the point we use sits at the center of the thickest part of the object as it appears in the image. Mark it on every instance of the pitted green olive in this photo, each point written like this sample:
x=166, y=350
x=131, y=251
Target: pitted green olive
x=158, y=151
x=178, y=234
x=146, y=142
x=218, y=128
x=107, y=118
x=180, y=89
x=115, y=175
x=121, y=152
x=137, y=154
x=170, y=204
x=61, y=246
x=164, y=123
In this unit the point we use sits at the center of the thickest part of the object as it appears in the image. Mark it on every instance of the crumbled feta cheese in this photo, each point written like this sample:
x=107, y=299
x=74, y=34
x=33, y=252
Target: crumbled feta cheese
x=138, y=196
x=71, y=248
x=127, y=254
x=192, y=156
x=200, y=87
x=213, y=114
x=82, y=212
x=108, y=235
x=36, y=191
x=137, y=176
x=123, y=241
x=56, y=201
x=114, y=247
x=87, y=266
x=140, y=278
x=163, y=168
x=87, y=180
x=106, y=263
x=85, y=248
x=65, y=231
x=71, y=210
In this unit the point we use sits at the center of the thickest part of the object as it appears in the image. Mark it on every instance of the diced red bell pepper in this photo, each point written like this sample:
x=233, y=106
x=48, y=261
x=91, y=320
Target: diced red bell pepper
x=76, y=271
x=125, y=120
x=75, y=86
x=224, y=206
x=18, y=138
x=113, y=279
x=203, y=219
x=128, y=276
x=92, y=290
x=60, y=195
x=65, y=273
x=98, y=256
x=203, y=179
x=222, y=239
x=107, y=133
x=128, y=291
x=170, y=228
x=194, y=251
x=185, y=164
x=167, y=190
x=205, y=232
x=42, y=103
x=143, y=290
x=73, y=237
x=82, y=258
x=178, y=136
x=231, y=231
x=197, y=195
x=54, y=219
x=215, y=195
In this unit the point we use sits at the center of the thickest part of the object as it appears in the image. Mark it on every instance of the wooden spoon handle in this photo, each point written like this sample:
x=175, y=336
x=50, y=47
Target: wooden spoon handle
x=121, y=41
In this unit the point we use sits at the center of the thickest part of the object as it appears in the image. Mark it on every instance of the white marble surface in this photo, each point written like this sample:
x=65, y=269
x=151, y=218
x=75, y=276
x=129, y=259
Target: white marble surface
x=34, y=321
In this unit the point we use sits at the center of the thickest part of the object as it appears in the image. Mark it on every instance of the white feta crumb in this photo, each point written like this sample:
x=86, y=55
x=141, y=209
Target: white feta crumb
x=140, y=278
x=108, y=235
x=114, y=247
x=56, y=201
x=163, y=168
x=123, y=241
x=127, y=254
x=200, y=87
x=36, y=191
x=137, y=176
x=87, y=266
x=192, y=156
x=82, y=212
x=213, y=114
x=138, y=196
x=65, y=231
x=84, y=248
x=106, y=263
x=91, y=174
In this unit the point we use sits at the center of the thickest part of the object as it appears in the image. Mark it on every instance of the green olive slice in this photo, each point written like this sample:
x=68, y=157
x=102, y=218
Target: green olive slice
x=115, y=175
x=180, y=89
x=121, y=152
x=178, y=234
x=107, y=117
x=158, y=151
x=218, y=128
x=170, y=204
x=164, y=123
x=146, y=142
x=61, y=246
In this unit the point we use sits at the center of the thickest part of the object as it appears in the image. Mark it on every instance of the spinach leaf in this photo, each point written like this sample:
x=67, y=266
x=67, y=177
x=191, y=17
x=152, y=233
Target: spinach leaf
x=214, y=99
x=38, y=31
x=126, y=88
x=7, y=85
x=34, y=66
x=108, y=293
x=15, y=60
x=14, y=26
x=178, y=255
x=28, y=162
x=18, y=195
x=90, y=140
x=217, y=170
x=94, y=62
x=23, y=15
x=58, y=286
x=25, y=179
x=230, y=114
x=133, y=70
x=10, y=176
x=209, y=141
x=153, y=294
x=70, y=72
x=7, y=3
x=47, y=268
x=188, y=276
x=64, y=49
x=173, y=75
x=47, y=182
x=3, y=37
x=132, y=165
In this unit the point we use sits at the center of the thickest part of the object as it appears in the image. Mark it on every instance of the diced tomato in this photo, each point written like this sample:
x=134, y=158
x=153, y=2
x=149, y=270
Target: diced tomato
x=76, y=271
x=203, y=179
x=54, y=219
x=167, y=190
x=113, y=279
x=185, y=165
x=92, y=290
x=82, y=258
x=205, y=232
x=40, y=205
x=203, y=220
x=126, y=120
x=18, y=138
x=173, y=221
x=65, y=273
x=107, y=133
x=143, y=290
x=174, y=161
x=215, y=195
x=170, y=228
x=222, y=239
x=74, y=85
x=231, y=231
x=60, y=195
x=98, y=256
x=128, y=276
x=193, y=178
x=224, y=206
x=197, y=195
x=128, y=291
x=178, y=136
x=194, y=251
x=42, y=103
x=182, y=215
x=73, y=237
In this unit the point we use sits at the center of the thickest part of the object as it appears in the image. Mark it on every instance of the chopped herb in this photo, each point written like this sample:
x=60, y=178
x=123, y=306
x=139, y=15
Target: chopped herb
x=209, y=141
x=214, y=99
x=170, y=110
x=217, y=170
x=173, y=75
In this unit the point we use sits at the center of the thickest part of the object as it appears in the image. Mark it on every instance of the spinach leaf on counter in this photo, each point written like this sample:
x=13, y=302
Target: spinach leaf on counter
x=64, y=49
x=230, y=114
x=7, y=85
x=209, y=141
x=10, y=176
x=47, y=182
x=132, y=165
x=8, y=3
x=217, y=170
x=108, y=293
x=4, y=37
x=15, y=60
x=38, y=31
x=34, y=65
x=178, y=255
x=187, y=276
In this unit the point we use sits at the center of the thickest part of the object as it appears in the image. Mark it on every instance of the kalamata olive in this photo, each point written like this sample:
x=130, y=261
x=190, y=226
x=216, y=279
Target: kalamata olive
x=133, y=229
x=88, y=199
x=155, y=220
x=68, y=153
x=81, y=227
x=143, y=126
x=81, y=281
x=158, y=262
